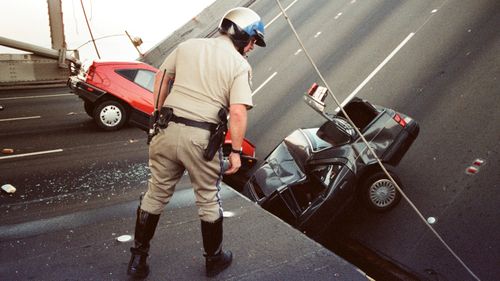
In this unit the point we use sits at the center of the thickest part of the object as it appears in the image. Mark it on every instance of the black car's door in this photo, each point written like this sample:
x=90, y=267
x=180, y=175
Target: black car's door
x=283, y=204
x=331, y=189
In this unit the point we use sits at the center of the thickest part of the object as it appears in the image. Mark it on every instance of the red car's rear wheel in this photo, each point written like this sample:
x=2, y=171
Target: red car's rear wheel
x=110, y=115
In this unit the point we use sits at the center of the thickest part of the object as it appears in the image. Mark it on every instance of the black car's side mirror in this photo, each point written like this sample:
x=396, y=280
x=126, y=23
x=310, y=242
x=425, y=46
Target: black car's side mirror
x=336, y=132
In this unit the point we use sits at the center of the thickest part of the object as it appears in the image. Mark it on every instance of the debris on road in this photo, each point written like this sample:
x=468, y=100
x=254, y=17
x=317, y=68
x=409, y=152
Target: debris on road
x=7, y=151
x=474, y=168
x=431, y=220
x=478, y=162
x=9, y=188
x=228, y=214
x=124, y=238
x=1, y=107
x=471, y=170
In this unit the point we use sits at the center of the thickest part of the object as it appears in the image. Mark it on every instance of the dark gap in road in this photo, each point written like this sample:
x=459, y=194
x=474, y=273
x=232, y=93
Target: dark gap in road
x=374, y=264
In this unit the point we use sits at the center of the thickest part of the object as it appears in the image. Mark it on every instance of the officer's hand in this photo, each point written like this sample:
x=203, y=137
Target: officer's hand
x=234, y=163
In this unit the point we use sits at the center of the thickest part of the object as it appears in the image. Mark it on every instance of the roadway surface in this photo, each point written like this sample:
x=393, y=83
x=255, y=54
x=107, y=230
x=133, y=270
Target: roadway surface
x=436, y=61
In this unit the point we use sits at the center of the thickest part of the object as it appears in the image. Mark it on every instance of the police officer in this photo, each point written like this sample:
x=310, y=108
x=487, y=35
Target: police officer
x=208, y=74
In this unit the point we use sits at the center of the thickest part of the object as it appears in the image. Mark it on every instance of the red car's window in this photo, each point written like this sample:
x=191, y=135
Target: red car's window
x=141, y=77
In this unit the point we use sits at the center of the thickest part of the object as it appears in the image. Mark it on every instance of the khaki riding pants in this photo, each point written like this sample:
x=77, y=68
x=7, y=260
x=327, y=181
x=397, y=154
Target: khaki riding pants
x=174, y=150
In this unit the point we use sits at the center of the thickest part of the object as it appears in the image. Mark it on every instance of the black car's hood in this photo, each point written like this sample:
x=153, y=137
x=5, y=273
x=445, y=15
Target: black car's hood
x=285, y=165
x=279, y=169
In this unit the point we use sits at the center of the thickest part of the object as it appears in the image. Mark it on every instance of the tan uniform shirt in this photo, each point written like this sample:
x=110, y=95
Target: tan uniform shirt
x=209, y=74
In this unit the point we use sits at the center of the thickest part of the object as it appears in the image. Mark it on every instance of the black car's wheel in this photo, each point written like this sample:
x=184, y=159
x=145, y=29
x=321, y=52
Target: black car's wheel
x=89, y=108
x=378, y=192
x=110, y=115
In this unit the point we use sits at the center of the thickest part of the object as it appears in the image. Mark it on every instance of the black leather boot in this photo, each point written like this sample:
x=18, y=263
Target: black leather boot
x=145, y=226
x=216, y=260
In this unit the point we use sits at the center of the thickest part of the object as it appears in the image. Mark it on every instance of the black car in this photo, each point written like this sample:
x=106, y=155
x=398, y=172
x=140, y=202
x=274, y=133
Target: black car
x=315, y=174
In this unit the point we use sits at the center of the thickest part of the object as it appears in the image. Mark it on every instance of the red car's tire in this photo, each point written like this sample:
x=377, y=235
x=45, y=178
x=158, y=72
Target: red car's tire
x=89, y=108
x=110, y=115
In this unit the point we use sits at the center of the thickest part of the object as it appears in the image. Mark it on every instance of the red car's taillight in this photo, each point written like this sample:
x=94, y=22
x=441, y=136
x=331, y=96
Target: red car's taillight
x=90, y=74
x=399, y=120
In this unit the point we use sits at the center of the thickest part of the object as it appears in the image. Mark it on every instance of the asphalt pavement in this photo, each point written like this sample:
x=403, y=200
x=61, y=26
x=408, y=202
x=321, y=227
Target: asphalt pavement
x=445, y=76
x=84, y=246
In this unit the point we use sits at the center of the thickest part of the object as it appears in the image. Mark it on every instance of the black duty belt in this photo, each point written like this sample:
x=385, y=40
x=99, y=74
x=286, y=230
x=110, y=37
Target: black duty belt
x=202, y=125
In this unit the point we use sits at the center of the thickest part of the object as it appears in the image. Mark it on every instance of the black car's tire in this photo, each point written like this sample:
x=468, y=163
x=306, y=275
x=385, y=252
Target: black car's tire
x=110, y=115
x=89, y=108
x=378, y=193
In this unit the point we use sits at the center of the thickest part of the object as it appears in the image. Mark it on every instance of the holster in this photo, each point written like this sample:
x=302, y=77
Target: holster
x=153, y=128
x=166, y=114
x=217, y=136
x=159, y=119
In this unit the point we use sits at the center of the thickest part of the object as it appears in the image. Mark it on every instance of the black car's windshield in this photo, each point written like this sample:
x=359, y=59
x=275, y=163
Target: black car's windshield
x=316, y=142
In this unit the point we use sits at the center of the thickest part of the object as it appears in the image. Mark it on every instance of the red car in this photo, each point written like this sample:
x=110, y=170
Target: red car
x=116, y=93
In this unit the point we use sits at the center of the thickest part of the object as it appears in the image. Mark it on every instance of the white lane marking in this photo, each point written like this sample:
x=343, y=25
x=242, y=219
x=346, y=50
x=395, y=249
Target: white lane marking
x=379, y=67
x=317, y=34
x=263, y=84
x=35, y=97
x=20, y=118
x=298, y=52
x=276, y=17
x=338, y=16
x=30, y=154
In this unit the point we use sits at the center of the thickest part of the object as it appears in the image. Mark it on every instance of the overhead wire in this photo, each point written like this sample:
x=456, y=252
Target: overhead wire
x=90, y=29
x=370, y=148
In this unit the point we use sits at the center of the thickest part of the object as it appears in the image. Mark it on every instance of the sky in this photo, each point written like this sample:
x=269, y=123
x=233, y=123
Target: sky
x=151, y=20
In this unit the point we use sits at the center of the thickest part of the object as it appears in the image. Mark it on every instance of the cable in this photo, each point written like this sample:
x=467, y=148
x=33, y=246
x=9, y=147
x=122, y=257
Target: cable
x=90, y=30
x=99, y=38
x=368, y=145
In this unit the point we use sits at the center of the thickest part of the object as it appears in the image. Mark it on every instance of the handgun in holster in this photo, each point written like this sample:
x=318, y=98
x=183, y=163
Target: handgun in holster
x=153, y=126
x=159, y=120
x=156, y=120
x=217, y=136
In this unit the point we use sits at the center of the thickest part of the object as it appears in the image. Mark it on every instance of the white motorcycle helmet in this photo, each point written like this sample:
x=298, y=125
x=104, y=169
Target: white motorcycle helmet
x=241, y=25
